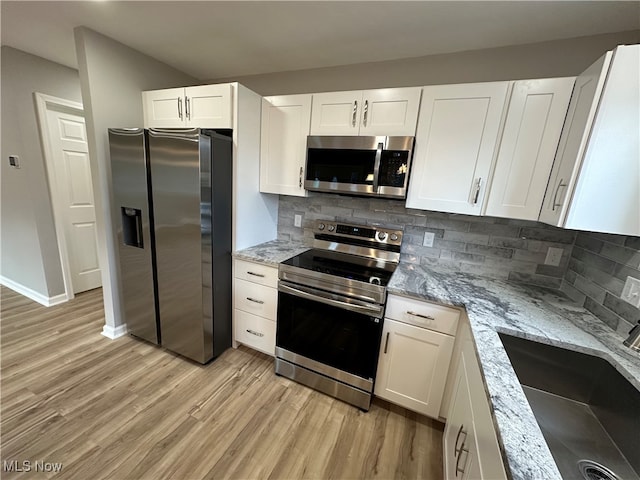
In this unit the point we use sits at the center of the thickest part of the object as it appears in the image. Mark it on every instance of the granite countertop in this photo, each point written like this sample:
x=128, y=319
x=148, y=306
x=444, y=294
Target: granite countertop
x=497, y=306
x=271, y=253
x=535, y=313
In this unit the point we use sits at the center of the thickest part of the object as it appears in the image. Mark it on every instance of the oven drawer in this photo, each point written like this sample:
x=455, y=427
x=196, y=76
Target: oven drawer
x=255, y=298
x=423, y=314
x=257, y=273
x=255, y=332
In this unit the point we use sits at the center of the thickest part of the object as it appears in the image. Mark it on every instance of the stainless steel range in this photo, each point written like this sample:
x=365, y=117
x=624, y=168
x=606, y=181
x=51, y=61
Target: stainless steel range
x=330, y=309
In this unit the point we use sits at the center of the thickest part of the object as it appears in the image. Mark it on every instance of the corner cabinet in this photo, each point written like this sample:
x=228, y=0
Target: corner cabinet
x=455, y=143
x=283, y=147
x=203, y=106
x=417, y=343
x=255, y=303
x=595, y=181
x=536, y=113
x=386, y=111
x=470, y=446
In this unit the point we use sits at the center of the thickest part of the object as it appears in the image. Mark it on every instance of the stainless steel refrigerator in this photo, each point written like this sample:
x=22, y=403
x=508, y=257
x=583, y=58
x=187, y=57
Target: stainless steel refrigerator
x=172, y=193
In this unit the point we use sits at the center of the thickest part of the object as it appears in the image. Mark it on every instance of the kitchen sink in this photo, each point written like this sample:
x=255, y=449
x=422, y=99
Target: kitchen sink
x=588, y=412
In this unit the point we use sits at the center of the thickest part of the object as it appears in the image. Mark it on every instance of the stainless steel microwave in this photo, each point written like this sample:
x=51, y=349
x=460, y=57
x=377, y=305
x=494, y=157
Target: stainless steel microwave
x=368, y=166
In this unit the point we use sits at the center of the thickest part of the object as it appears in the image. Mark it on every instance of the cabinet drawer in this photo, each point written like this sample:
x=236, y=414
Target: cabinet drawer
x=255, y=298
x=423, y=314
x=257, y=273
x=255, y=332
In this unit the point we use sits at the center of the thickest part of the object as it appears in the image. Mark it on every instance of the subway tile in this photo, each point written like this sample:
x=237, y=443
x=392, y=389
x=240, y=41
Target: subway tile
x=336, y=211
x=534, y=279
x=542, y=246
x=438, y=232
x=410, y=258
x=570, y=276
x=621, y=255
x=449, y=225
x=467, y=257
x=449, y=244
x=527, y=256
x=490, y=251
x=589, y=243
x=624, y=327
x=420, y=251
x=476, y=238
x=575, y=265
x=594, y=260
x=483, y=270
x=506, y=242
x=604, y=314
x=622, y=308
x=511, y=231
x=605, y=280
x=573, y=293
x=608, y=237
x=632, y=242
x=548, y=235
x=590, y=289
x=622, y=272
x=550, y=270
x=510, y=265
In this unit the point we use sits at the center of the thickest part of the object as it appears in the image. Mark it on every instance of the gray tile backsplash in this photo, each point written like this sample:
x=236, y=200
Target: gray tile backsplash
x=598, y=268
x=592, y=270
x=494, y=247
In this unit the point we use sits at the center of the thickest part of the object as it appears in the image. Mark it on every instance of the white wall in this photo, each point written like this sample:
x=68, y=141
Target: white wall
x=539, y=60
x=112, y=78
x=29, y=250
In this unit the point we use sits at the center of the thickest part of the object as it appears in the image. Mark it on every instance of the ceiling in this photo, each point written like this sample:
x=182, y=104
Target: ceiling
x=210, y=40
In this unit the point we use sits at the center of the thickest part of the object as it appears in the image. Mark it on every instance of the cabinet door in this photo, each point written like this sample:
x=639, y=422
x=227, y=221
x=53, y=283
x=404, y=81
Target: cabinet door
x=164, y=108
x=535, y=116
x=573, y=141
x=455, y=144
x=209, y=106
x=283, y=145
x=413, y=366
x=336, y=113
x=390, y=111
x=607, y=193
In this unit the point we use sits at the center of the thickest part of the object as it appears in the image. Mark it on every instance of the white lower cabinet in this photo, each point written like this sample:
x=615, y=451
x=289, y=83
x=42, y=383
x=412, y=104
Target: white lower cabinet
x=470, y=446
x=255, y=304
x=417, y=343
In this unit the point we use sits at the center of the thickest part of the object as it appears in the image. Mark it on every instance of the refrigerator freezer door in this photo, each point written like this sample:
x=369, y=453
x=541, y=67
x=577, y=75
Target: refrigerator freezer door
x=133, y=228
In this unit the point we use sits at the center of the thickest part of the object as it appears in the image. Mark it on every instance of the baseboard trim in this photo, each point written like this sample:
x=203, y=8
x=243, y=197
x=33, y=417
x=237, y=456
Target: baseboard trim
x=32, y=294
x=114, y=332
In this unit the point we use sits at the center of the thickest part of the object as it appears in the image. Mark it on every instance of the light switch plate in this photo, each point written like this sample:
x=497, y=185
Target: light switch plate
x=297, y=220
x=631, y=291
x=554, y=255
x=429, y=237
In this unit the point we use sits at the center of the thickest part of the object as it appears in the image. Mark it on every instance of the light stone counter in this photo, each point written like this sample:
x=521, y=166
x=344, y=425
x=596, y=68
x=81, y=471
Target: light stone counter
x=535, y=313
x=271, y=253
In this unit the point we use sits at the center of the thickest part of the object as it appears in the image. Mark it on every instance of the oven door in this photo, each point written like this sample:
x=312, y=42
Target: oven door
x=333, y=335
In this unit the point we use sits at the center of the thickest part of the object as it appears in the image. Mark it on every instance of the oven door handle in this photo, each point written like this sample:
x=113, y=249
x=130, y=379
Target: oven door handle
x=323, y=297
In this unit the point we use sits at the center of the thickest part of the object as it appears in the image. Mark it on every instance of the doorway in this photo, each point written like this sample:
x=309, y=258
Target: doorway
x=66, y=153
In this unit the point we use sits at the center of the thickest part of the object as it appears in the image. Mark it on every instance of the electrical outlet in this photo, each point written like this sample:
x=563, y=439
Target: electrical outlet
x=554, y=255
x=631, y=292
x=429, y=237
x=297, y=220
x=14, y=161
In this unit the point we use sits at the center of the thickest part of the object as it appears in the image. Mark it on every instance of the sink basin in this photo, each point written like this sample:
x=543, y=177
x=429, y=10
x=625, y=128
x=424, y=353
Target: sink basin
x=588, y=412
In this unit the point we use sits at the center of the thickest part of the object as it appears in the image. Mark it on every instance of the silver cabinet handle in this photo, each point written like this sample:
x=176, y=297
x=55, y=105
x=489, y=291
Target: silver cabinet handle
x=180, y=107
x=253, y=332
x=259, y=302
x=458, y=469
x=187, y=105
x=300, y=178
x=386, y=343
x=366, y=111
x=355, y=109
x=457, y=450
x=419, y=315
x=477, y=194
x=555, y=197
x=256, y=274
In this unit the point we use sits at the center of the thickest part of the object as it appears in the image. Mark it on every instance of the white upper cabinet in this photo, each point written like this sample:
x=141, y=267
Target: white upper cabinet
x=595, y=181
x=455, y=144
x=283, y=145
x=535, y=116
x=381, y=112
x=204, y=106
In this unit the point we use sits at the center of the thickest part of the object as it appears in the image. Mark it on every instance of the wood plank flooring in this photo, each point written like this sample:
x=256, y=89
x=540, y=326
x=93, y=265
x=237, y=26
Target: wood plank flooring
x=125, y=409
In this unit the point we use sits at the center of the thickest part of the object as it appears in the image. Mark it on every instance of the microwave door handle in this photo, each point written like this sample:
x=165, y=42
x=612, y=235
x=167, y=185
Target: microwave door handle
x=376, y=166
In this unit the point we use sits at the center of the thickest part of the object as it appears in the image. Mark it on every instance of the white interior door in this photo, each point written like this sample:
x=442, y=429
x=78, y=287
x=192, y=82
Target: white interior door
x=74, y=197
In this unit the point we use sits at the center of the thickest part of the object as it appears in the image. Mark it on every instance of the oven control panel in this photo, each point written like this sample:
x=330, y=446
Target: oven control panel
x=368, y=233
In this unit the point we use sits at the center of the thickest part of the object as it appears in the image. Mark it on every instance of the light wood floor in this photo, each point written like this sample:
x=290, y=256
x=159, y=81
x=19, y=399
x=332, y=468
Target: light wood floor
x=124, y=409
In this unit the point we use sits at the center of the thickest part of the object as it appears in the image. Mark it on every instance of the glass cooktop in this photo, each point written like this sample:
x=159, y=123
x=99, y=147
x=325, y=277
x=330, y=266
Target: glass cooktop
x=344, y=265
